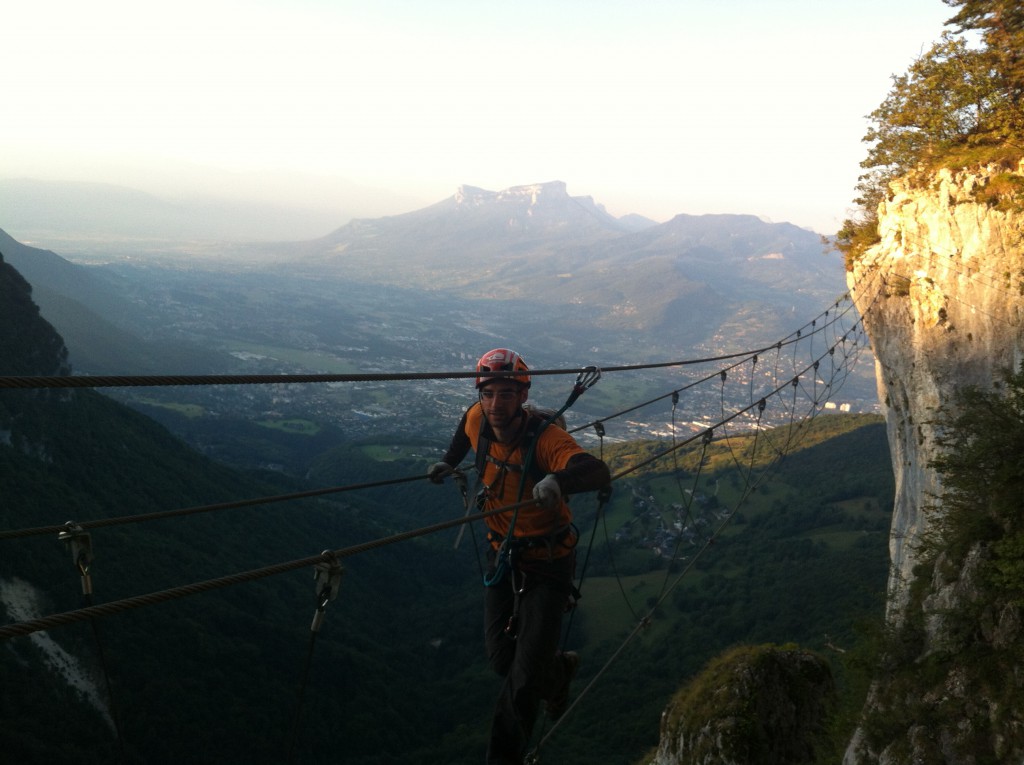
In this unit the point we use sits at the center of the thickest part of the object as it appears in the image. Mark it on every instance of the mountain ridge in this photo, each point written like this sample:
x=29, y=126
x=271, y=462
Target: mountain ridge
x=537, y=243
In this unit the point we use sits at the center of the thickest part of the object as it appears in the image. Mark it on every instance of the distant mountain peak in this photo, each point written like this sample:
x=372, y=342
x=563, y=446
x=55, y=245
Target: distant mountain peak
x=473, y=195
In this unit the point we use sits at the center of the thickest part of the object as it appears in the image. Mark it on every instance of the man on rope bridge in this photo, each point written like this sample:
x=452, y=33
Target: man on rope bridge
x=531, y=551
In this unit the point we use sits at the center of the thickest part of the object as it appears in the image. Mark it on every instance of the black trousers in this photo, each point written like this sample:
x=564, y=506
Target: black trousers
x=524, y=652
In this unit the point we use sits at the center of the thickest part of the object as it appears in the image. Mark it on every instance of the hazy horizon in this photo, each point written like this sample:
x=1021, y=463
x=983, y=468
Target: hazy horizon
x=656, y=109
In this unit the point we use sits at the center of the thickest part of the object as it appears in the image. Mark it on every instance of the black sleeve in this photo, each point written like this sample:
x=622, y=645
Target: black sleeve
x=585, y=472
x=460, y=444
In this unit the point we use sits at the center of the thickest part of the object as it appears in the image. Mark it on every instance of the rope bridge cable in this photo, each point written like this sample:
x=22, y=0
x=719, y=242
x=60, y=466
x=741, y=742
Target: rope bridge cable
x=91, y=613
x=103, y=609
x=44, y=623
x=29, y=382
x=100, y=523
x=118, y=606
x=759, y=402
x=126, y=604
x=122, y=381
x=919, y=248
x=743, y=359
x=724, y=421
x=156, y=515
x=668, y=588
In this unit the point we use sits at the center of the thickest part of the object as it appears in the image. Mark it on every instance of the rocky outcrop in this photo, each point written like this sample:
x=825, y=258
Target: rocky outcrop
x=942, y=299
x=762, y=705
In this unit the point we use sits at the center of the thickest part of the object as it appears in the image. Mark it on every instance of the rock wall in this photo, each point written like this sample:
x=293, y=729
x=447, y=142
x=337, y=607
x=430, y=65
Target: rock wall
x=760, y=705
x=941, y=300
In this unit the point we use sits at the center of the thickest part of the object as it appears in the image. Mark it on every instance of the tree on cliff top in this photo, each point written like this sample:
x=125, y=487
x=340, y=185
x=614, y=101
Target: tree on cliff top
x=958, y=101
x=1001, y=24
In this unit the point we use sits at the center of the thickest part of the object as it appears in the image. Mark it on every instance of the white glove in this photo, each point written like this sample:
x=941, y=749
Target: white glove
x=438, y=471
x=547, y=492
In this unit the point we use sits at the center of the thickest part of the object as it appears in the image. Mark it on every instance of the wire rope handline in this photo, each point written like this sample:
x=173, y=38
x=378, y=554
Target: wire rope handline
x=445, y=525
x=667, y=588
x=743, y=358
x=128, y=381
x=107, y=609
x=43, y=623
x=159, y=514
x=99, y=523
x=706, y=437
x=91, y=612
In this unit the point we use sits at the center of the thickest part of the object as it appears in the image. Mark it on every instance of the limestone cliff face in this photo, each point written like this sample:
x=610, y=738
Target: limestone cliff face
x=942, y=299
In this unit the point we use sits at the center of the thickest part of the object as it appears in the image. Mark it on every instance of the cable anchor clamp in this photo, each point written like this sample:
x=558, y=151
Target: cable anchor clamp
x=79, y=541
x=587, y=377
x=327, y=576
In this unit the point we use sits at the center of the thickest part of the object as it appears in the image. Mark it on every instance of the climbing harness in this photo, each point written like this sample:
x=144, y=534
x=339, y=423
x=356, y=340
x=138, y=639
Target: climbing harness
x=585, y=380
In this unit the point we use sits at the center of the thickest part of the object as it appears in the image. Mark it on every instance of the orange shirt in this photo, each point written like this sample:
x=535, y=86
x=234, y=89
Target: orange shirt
x=503, y=474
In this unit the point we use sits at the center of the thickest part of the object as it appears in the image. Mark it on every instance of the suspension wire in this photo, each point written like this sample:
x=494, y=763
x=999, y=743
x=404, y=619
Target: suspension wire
x=171, y=513
x=970, y=270
x=603, y=496
x=114, y=607
x=706, y=441
x=533, y=757
x=99, y=523
x=913, y=256
x=159, y=514
x=743, y=358
x=115, y=714
x=599, y=428
x=687, y=504
x=122, y=381
x=301, y=693
x=90, y=612
x=153, y=381
x=44, y=623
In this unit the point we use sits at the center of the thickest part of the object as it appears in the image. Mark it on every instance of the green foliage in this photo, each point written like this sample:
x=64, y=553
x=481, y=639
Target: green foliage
x=1001, y=25
x=958, y=105
x=984, y=480
x=767, y=701
x=947, y=96
x=979, y=515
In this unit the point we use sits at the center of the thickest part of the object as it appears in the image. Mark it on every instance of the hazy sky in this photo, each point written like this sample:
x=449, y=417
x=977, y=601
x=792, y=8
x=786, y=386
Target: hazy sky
x=652, y=107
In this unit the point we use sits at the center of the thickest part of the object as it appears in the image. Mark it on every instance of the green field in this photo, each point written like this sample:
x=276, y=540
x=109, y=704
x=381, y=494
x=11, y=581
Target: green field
x=298, y=426
x=314, y=361
x=191, y=411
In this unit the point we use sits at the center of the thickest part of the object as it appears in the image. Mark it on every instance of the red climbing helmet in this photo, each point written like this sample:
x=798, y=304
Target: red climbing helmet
x=502, y=360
